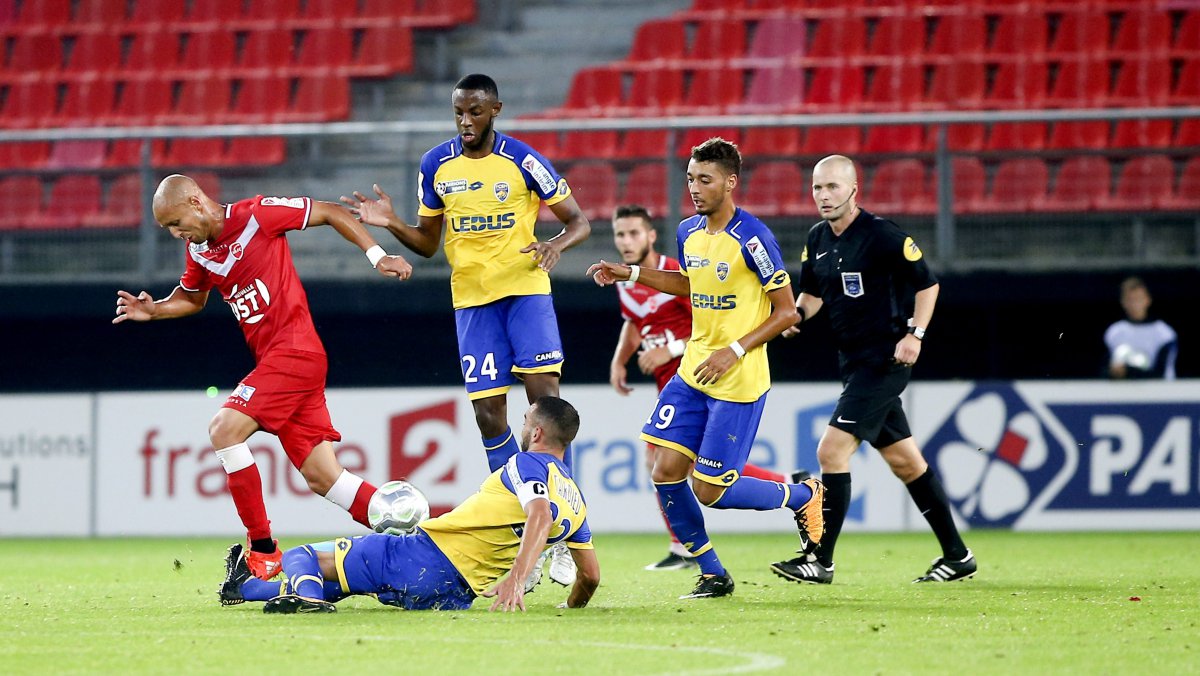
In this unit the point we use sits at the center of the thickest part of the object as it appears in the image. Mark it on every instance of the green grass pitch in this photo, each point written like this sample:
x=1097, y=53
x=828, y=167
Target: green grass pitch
x=1042, y=603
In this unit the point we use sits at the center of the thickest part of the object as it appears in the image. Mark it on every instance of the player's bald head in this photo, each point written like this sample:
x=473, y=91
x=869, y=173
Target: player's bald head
x=174, y=190
x=839, y=167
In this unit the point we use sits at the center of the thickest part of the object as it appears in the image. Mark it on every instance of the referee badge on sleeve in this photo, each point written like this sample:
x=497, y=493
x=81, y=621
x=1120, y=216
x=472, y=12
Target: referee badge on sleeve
x=912, y=252
x=852, y=284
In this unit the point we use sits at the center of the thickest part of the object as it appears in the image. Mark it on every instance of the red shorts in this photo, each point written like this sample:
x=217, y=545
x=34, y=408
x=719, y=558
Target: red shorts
x=285, y=394
x=663, y=373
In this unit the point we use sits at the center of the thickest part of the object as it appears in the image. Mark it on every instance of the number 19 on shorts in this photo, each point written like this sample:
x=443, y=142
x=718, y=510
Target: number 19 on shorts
x=662, y=416
x=486, y=367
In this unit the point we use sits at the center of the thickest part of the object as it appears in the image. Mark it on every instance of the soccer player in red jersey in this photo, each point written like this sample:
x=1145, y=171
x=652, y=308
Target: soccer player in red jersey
x=659, y=324
x=240, y=249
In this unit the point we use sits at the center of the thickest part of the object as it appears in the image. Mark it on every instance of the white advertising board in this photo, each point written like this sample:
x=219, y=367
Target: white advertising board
x=45, y=464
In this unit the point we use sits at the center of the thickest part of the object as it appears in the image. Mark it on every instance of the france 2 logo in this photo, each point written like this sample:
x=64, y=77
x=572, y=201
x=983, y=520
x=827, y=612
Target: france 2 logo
x=996, y=458
x=422, y=447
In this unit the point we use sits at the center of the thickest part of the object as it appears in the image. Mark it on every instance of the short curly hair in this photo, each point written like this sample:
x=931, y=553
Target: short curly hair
x=724, y=153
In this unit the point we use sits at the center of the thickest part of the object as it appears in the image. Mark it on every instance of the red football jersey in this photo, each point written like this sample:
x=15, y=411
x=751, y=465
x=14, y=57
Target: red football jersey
x=659, y=317
x=251, y=265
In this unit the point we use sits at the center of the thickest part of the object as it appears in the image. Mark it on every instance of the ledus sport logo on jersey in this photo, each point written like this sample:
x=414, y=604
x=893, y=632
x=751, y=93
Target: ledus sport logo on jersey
x=1008, y=457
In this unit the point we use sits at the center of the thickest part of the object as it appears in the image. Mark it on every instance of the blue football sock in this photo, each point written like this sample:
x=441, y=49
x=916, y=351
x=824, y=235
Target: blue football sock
x=762, y=495
x=255, y=589
x=500, y=449
x=304, y=572
x=683, y=512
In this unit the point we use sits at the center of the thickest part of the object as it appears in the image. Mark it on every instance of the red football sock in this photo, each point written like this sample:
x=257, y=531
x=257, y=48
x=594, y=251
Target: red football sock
x=245, y=485
x=755, y=472
x=358, y=509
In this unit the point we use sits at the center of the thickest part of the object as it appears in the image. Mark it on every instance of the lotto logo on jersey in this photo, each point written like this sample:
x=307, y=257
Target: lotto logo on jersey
x=483, y=223
x=291, y=202
x=249, y=302
x=704, y=301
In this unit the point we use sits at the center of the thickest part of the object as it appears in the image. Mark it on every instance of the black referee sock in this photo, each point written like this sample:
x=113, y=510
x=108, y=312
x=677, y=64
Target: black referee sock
x=837, y=503
x=926, y=491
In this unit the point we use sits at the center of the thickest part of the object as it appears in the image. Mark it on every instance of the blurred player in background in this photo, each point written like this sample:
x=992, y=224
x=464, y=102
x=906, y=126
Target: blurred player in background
x=519, y=510
x=241, y=250
x=1138, y=346
x=707, y=415
x=660, y=324
x=484, y=188
x=879, y=295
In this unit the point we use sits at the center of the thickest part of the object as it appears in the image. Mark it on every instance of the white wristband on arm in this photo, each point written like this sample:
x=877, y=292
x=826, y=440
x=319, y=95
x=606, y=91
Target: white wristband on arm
x=635, y=271
x=676, y=347
x=737, y=349
x=375, y=254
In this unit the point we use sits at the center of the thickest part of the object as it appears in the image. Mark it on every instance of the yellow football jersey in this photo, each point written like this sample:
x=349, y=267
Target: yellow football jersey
x=482, y=535
x=730, y=273
x=490, y=206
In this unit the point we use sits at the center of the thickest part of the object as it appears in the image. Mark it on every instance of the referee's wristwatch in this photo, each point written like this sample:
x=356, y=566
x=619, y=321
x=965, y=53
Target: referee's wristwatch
x=917, y=331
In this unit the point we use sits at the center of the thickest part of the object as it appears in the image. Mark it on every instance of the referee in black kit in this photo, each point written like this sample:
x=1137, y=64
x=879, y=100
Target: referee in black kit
x=879, y=295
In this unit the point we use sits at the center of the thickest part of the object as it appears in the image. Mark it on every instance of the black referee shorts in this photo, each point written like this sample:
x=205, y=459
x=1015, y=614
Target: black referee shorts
x=869, y=407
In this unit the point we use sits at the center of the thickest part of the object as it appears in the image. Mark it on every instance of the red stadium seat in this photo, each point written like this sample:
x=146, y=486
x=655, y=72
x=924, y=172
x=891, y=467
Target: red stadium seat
x=123, y=207
x=643, y=143
x=545, y=142
x=970, y=184
x=843, y=140
x=325, y=48
x=201, y=101
x=960, y=137
x=1145, y=182
x=99, y=15
x=383, y=51
x=601, y=143
x=1017, y=136
x=73, y=200
x=1187, y=135
x=901, y=187
x=1187, y=89
x=834, y=88
x=894, y=138
x=20, y=196
x=777, y=90
x=95, y=53
x=207, y=53
x=272, y=51
x=154, y=52
x=1142, y=134
x=1187, y=196
x=1143, y=33
x=1187, y=37
x=777, y=40
x=327, y=13
x=43, y=15
x=895, y=87
x=647, y=185
x=24, y=154
x=156, y=15
x=957, y=84
x=319, y=99
x=80, y=154
x=654, y=92
x=1083, y=184
x=256, y=151
x=594, y=186
x=594, y=92
x=1142, y=82
x=658, y=42
x=713, y=91
x=212, y=14
x=34, y=53
x=837, y=38
x=775, y=189
x=385, y=12
x=1083, y=33
x=1079, y=83
x=718, y=41
x=1022, y=35
x=87, y=102
x=958, y=35
x=208, y=182
x=1079, y=134
x=898, y=37
x=771, y=142
x=195, y=152
x=260, y=100
x=1018, y=186
x=443, y=13
x=28, y=104
x=264, y=13
x=1018, y=84
x=128, y=153
x=690, y=138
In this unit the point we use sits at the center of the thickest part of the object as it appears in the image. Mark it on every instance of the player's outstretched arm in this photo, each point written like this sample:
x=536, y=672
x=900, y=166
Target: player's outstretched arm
x=587, y=577
x=806, y=306
x=143, y=307
x=422, y=239
x=576, y=229
x=339, y=218
x=510, y=591
x=627, y=344
x=667, y=281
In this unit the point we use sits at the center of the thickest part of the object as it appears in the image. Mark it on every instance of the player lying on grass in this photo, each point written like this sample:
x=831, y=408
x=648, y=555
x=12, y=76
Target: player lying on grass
x=524, y=507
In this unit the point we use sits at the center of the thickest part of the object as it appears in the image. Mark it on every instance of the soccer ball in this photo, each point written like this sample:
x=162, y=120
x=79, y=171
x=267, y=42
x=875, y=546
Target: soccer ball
x=396, y=508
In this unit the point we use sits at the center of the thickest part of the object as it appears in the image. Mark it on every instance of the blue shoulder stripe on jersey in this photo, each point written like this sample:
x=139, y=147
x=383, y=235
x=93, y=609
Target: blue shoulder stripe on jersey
x=732, y=230
x=501, y=143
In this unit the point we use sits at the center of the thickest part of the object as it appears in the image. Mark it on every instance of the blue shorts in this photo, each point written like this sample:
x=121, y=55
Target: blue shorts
x=408, y=571
x=501, y=340
x=716, y=434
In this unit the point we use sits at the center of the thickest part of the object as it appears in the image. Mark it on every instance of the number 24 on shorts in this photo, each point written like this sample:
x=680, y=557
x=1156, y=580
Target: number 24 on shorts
x=486, y=368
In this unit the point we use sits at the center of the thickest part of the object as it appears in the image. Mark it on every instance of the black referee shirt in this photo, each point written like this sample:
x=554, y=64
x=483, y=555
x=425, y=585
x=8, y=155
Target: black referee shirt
x=868, y=279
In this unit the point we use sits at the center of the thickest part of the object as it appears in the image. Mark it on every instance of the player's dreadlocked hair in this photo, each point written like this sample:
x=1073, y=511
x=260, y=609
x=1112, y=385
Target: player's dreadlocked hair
x=479, y=82
x=720, y=151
